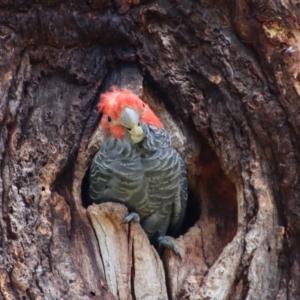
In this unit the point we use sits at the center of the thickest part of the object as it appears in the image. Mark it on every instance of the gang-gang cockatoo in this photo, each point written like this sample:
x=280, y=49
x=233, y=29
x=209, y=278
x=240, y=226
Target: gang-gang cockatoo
x=138, y=167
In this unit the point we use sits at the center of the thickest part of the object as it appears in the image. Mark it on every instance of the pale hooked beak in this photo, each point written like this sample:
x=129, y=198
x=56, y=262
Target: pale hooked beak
x=130, y=119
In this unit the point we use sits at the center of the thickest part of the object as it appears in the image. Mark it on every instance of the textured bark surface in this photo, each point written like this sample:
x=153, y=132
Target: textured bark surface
x=224, y=78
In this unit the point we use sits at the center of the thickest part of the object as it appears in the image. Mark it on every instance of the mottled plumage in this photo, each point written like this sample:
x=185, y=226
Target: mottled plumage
x=148, y=176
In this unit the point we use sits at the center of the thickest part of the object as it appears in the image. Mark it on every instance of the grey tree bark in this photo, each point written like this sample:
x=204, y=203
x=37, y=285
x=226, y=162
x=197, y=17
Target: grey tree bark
x=224, y=78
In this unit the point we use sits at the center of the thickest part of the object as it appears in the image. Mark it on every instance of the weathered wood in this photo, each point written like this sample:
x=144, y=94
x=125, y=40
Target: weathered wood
x=132, y=266
x=222, y=76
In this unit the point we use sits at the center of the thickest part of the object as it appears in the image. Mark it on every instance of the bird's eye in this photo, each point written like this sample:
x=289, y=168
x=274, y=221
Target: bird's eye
x=139, y=124
x=109, y=119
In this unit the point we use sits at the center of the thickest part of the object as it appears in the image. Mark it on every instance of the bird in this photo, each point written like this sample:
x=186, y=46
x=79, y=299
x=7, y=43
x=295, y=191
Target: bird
x=137, y=166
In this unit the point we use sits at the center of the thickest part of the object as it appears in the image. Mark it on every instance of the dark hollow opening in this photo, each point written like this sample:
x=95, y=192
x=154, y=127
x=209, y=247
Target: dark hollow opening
x=86, y=200
x=212, y=197
x=218, y=205
x=192, y=213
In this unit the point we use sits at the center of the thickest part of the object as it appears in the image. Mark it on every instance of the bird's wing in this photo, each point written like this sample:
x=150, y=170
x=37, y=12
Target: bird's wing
x=179, y=210
x=167, y=184
x=118, y=179
x=99, y=176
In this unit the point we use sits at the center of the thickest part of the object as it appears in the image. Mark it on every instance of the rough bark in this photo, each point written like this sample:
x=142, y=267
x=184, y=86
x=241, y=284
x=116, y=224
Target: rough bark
x=224, y=78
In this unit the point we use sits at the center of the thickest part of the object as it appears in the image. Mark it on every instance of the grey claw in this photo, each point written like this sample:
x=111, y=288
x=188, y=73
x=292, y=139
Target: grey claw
x=169, y=242
x=131, y=217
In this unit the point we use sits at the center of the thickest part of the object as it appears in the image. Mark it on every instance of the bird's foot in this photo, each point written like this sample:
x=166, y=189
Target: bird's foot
x=131, y=217
x=169, y=242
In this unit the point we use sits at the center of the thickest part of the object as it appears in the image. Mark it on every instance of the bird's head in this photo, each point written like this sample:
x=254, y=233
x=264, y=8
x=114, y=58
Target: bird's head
x=123, y=111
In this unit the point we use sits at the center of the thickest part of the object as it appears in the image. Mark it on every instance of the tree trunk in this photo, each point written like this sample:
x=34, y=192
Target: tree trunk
x=224, y=78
